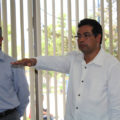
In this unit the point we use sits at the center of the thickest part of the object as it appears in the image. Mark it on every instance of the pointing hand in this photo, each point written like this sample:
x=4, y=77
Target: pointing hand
x=25, y=62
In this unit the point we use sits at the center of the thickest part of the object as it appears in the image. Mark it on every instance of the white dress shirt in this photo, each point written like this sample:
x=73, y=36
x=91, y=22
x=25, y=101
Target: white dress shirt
x=93, y=89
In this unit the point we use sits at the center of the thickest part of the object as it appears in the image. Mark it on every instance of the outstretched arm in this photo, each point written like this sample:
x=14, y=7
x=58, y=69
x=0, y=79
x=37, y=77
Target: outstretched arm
x=25, y=62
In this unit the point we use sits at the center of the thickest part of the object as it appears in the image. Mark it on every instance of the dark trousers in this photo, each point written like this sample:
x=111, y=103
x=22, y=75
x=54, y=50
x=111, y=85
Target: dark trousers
x=12, y=116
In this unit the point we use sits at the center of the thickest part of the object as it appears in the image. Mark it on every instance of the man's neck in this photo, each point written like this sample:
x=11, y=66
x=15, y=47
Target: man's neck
x=89, y=57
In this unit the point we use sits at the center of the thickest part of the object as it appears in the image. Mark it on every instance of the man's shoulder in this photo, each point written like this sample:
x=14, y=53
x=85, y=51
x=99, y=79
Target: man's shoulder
x=110, y=59
x=8, y=57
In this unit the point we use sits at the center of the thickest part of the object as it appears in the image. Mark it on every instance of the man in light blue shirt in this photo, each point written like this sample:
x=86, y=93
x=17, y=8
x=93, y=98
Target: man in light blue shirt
x=14, y=92
x=94, y=76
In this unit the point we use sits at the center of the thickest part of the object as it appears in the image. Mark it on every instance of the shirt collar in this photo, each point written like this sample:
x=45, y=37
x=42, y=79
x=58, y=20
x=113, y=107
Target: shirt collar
x=98, y=60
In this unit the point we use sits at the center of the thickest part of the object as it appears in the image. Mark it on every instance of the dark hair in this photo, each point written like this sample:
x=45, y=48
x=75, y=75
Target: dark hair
x=0, y=32
x=97, y=28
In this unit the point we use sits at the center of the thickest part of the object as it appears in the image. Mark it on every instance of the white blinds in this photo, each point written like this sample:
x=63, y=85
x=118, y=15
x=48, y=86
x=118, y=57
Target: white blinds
x=31, y=27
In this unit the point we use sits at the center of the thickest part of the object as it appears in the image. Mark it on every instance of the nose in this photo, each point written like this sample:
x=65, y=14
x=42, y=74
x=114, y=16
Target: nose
x=81, y=39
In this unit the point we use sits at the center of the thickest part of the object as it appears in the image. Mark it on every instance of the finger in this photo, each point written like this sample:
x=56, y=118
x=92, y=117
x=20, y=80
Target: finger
x=29, y=64
x=19, y=62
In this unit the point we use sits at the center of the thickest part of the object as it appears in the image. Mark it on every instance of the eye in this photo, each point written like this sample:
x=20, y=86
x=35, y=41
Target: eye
x=87, y=35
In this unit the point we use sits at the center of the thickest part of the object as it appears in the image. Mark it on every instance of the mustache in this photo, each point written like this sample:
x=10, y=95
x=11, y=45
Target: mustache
x=82, y=44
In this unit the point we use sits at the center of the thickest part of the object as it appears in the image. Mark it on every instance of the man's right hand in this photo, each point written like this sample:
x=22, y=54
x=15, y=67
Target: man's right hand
x=25, y=62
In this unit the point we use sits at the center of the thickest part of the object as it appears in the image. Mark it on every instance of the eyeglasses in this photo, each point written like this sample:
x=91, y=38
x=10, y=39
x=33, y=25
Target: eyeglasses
x=85, y=35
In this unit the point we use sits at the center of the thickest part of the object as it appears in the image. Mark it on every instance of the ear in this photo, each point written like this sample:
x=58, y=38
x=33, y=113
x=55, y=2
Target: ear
x=1, y=38
x=98, y=38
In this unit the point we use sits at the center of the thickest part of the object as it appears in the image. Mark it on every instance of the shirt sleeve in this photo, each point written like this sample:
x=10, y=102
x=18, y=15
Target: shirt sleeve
x=21, y=88
x=54, y=63
x=114, y=92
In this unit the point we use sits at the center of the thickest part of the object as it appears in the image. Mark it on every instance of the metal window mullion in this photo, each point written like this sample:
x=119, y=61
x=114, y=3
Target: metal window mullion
x=38, y=28
x=22, y=38
x=38, y=38
x=53, y=25
x=55, y=94
x=102, y=21
x=5, y=32
x=94, y=6
x=0, y=11
x=110, y=27
x=62, y=26
x=77, y=17
x=45, y=21
x=85, y=8
x=62, y=38
x=40, y=89
x=22, y=29
x=30, y=38
x=36, y=23
x=54, y=50
x=64, y=93
x=13, y=28
x=30, y=28
x=46, y=53
x=118, y=27
x=77, y=12
x=69, y=26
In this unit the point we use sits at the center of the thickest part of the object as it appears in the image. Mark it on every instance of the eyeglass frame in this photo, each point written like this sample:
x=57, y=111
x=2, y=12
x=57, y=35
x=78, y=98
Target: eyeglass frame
x=85, y=35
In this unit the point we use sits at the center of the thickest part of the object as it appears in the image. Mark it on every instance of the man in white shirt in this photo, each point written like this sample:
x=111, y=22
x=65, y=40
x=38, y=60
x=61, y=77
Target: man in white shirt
x=94, y=83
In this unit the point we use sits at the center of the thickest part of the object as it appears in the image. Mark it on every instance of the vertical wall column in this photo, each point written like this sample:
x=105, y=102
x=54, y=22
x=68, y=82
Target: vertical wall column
x=102, y=21
x=0, y=11
x=94, y=10
x=46, y=53
x=110, y=27
x=54, y=53
x=77, y=17
x=62, y=47
x=85, y=9
x=69, y=26
x=31, y=54
x=5, y=32
x=22, y=29
x=118, y=26
x=13, y=28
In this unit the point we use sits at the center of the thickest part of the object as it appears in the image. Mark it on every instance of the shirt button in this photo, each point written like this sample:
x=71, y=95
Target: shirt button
x=78, y=94
x=85, y=67
x=82, y=81
x=77, y=108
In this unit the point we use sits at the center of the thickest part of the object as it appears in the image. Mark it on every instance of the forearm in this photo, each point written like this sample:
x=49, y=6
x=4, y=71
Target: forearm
x=56, y=63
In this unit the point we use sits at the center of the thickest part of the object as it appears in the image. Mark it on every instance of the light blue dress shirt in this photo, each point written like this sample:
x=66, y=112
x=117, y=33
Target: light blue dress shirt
x=94, y=88
x=14, y=90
